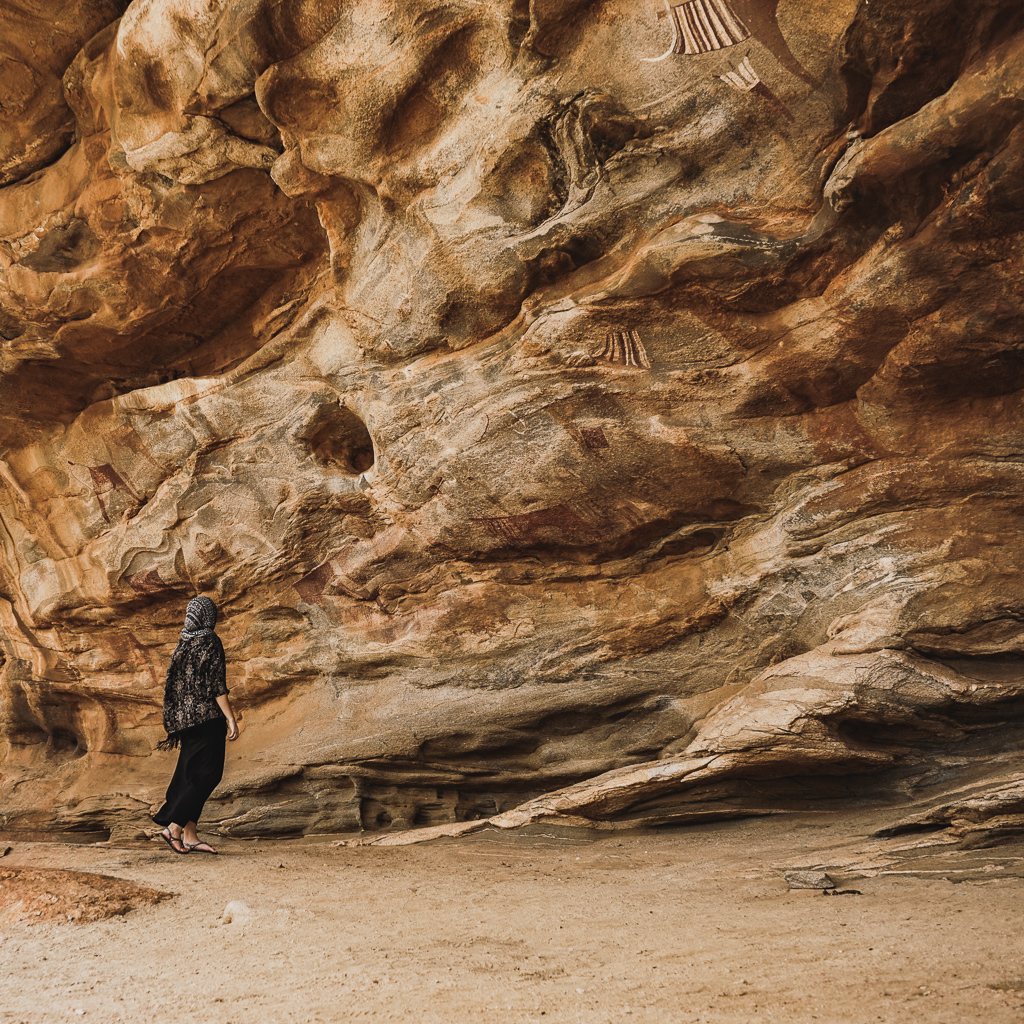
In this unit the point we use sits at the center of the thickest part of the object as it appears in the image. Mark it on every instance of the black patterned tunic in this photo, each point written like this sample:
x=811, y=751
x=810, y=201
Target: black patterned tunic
x=196, y=677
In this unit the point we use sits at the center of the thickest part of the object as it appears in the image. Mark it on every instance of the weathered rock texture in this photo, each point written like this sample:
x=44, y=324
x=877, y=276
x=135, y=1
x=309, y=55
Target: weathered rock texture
x=543, y=415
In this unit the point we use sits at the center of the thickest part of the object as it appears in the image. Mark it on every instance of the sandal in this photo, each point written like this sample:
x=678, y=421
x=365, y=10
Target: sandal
x=171, y=840
x=195, y=846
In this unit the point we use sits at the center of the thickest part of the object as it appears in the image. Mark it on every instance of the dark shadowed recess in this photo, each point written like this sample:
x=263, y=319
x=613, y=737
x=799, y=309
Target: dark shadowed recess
x=339, y=439
x=900, y=56
x=208, y=337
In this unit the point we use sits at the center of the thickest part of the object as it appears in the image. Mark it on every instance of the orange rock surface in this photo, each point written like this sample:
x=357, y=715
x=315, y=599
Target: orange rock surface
x=609, y=410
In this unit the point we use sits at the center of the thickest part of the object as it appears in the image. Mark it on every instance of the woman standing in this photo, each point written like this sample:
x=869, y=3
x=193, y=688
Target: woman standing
x=197, y=717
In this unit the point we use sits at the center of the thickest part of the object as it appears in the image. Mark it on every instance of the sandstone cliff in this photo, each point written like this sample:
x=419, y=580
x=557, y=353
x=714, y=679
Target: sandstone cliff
x=601, y=397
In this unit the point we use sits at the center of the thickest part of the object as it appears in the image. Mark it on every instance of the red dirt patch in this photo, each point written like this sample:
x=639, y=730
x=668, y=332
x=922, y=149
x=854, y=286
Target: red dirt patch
x=37, y=894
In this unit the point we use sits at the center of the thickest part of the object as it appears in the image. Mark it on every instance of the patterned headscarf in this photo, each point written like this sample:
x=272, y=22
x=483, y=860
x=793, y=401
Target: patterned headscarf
x=200, y=618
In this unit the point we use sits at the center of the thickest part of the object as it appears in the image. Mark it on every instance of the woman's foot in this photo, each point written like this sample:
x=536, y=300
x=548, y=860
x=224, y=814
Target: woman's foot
x=190, y=837
x=200, y=847
x=175, y=842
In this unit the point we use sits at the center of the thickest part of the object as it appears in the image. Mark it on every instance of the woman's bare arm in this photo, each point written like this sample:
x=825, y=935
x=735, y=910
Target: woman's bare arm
x=225, y=705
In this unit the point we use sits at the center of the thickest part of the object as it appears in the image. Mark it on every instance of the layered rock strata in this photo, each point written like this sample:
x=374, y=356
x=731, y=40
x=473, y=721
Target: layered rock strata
x=611, y=409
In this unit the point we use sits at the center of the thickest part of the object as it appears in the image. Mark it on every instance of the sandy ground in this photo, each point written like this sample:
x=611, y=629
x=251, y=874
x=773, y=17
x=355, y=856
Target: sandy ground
x=676, y=925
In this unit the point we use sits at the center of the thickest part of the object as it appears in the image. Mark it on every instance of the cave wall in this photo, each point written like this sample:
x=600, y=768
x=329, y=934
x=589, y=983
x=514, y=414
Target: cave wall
x=548, y=395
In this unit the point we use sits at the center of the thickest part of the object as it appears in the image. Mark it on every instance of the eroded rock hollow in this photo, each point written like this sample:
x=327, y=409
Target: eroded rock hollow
x=607, y=407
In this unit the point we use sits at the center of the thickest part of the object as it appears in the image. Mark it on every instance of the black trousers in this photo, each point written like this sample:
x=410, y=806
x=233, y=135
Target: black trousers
x=200, y=767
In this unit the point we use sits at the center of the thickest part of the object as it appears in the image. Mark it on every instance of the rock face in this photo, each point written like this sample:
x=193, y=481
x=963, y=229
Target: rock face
x=609, y=398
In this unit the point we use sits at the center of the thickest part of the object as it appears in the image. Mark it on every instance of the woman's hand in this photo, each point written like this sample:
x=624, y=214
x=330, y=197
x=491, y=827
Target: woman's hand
x=225, y=706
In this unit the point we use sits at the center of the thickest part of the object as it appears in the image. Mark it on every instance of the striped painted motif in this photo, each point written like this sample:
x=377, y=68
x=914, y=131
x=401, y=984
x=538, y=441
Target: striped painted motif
x=705, y=25
x=625, y=347
x=744, y=78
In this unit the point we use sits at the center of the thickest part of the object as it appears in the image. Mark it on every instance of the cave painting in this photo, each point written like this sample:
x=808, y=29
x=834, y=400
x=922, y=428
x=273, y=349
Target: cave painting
x=625, y=347
x=745, y=79
x=107, y=481
x=701, y=26
x=707, y=26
